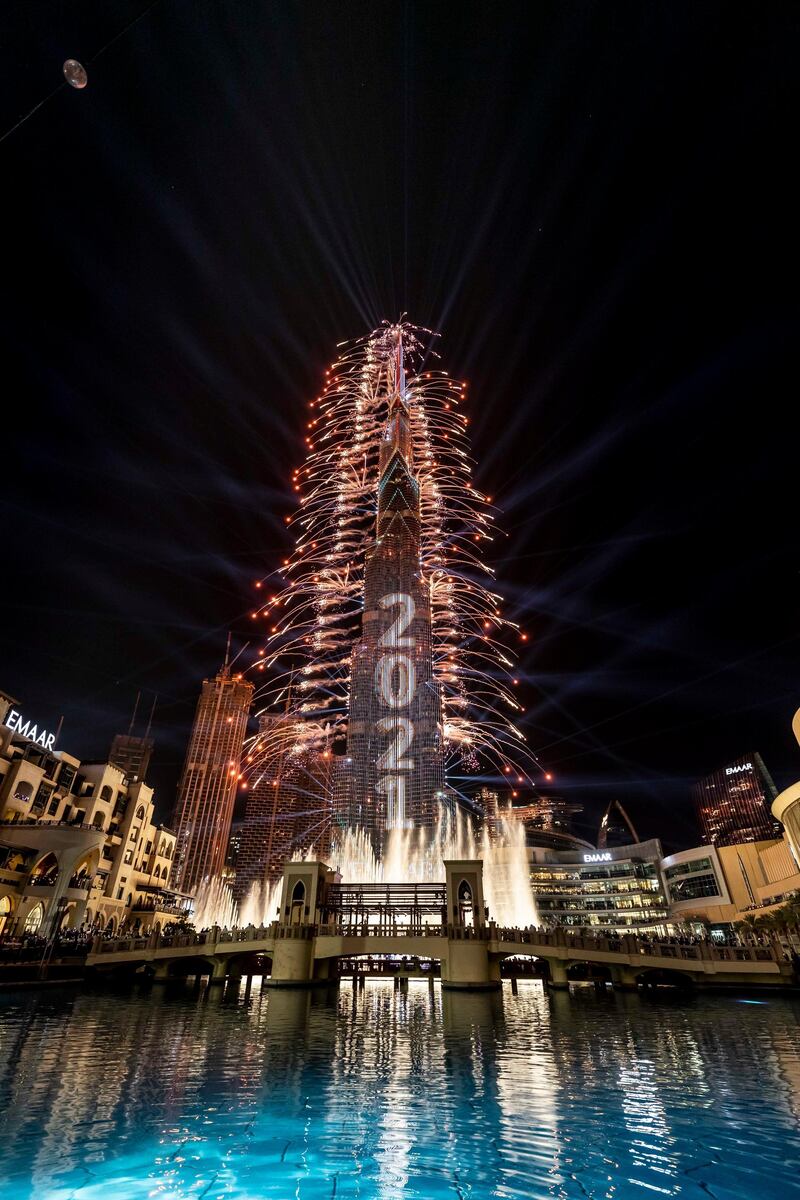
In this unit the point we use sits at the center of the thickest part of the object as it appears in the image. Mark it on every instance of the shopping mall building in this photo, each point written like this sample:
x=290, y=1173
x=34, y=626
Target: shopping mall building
x=78, y=840
x=620, y=888
x=749, y=866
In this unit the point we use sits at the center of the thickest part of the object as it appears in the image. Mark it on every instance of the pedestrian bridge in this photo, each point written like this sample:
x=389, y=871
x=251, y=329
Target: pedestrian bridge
x=304, y=946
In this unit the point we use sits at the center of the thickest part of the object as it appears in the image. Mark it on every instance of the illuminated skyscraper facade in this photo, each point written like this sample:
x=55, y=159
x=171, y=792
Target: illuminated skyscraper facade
x=733, y=804
x=209, y=780
x=392, y=776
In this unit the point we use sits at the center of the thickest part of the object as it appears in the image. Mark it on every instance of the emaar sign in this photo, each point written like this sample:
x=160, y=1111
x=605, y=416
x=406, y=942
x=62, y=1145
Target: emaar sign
x=15, y=722
x=738, y=770
x=604, y=857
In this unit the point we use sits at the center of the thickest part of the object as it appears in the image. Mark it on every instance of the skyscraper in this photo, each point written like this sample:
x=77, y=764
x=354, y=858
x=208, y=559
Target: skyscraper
x=733, y=804
x=392, y=776
x=208, y=783
x=288, y=807
x=386, y=638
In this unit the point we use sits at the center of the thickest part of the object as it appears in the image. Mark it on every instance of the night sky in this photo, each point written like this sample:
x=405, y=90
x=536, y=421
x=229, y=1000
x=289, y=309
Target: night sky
x=595, y=205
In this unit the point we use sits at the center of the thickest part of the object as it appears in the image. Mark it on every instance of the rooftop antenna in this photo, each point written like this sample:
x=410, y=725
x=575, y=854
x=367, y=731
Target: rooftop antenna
x=135, y=710
x=226, y=664
x=152, y=713
x=58, y=728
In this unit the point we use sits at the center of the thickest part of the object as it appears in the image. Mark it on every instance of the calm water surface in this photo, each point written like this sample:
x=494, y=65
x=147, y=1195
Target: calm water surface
x=106, y=1096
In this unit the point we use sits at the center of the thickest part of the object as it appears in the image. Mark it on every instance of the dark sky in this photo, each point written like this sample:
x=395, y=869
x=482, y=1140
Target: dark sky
x=594, y=203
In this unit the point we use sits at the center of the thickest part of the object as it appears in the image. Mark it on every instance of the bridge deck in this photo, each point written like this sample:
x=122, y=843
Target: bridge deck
x=434, y=942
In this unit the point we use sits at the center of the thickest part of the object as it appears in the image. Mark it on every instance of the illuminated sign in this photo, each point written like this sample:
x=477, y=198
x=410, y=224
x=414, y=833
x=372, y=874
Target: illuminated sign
x=604, y=857
x=737, y=770
x=396, y=686
x=15, y=722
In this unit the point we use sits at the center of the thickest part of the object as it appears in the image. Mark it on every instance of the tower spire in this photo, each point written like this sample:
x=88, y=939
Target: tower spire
x=399, y=367
x=397, y=432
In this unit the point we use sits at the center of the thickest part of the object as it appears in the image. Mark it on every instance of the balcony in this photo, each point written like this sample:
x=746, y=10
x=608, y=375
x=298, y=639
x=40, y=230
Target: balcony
x=82, y=882
x=158, y=906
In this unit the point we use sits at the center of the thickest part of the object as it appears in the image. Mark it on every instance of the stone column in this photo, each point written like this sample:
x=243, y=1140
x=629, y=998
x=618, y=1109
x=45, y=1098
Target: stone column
x=467, y=967
x=558, y=979
x=292, y=962
x=623, y=977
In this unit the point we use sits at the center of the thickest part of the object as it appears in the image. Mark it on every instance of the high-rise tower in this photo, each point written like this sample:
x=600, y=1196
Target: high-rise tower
x=288, y=811
x=393, y=772
x=208, y=783
x=734, y=804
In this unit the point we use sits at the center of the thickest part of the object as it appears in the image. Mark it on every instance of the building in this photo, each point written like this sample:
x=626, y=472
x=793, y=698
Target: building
x=210, y=777
x=619, y=888
x=392, y=776
x=131, y=754
x=548, y=823
x=289, y=810
x=79, y=843
x=786, y=806
x=733, y=804
x=718, y=886
x=616, y=827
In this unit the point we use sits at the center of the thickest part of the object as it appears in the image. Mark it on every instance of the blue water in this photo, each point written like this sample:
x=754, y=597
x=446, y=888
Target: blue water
x=106, y=1096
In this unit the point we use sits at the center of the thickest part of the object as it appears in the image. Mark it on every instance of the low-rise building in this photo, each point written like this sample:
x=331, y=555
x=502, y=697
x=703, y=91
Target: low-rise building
x=619, y=888
x=79, y=843
x=719, y=886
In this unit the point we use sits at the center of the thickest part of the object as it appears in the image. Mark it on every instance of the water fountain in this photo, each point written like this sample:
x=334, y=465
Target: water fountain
x=411, y=855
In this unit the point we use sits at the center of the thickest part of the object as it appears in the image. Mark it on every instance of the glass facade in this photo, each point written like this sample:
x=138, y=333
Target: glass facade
x=692, y=880
x=624, y=892
x=733, y=804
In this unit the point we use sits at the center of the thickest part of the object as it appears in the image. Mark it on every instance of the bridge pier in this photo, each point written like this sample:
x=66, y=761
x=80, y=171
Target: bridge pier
x=468, y=967
x=623, y=978
x=292, y=963
x=559, y=979
x=219, y=972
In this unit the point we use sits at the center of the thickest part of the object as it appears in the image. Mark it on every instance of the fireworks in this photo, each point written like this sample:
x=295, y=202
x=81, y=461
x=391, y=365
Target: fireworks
x=313, y=617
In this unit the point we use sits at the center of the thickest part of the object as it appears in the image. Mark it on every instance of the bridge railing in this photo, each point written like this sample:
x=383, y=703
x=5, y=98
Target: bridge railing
x=631, y=944
x=570, y=944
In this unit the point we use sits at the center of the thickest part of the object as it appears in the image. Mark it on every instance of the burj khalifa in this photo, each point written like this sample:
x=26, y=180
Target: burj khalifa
x=392, y=776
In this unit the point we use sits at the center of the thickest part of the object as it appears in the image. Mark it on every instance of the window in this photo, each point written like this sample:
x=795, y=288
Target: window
x=140, y=813
x=694, y=887
x=128, y=857
x=5, y=912
x=66, y=778
x=34, y=919
x=135, y=834
x=23, y=792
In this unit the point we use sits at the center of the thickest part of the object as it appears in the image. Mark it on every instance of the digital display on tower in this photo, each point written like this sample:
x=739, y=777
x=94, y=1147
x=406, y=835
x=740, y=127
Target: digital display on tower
x=396, y=686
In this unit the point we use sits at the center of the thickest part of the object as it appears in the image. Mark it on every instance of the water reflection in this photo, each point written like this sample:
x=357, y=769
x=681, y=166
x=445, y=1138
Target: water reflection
x=382, y=1094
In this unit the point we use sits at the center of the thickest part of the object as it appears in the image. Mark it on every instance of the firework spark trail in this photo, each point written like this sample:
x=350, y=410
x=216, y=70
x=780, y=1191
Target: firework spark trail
x=314, y=615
